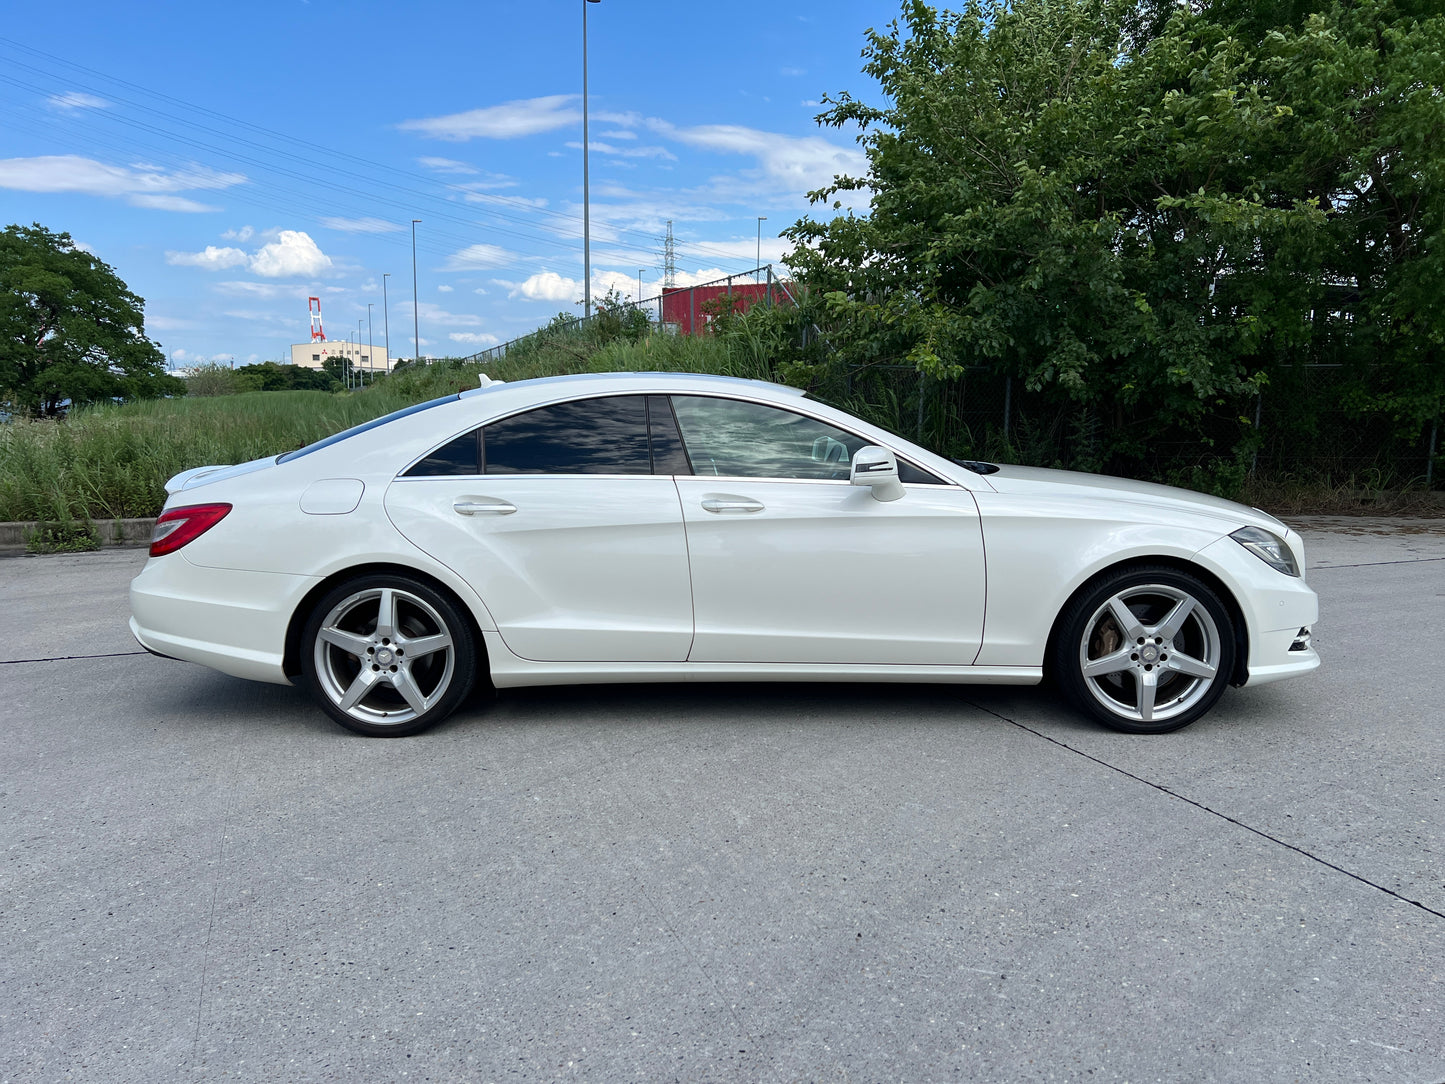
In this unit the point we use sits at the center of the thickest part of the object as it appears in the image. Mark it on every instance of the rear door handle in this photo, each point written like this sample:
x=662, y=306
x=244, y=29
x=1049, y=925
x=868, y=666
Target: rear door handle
x=731, y=505
x=483, y=508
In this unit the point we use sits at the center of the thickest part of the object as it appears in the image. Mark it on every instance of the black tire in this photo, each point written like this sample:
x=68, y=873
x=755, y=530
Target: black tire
x=358, y=668
x=1160, y=673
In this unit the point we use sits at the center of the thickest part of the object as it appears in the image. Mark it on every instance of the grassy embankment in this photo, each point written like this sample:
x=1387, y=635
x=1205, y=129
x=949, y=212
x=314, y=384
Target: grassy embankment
x=113, y=462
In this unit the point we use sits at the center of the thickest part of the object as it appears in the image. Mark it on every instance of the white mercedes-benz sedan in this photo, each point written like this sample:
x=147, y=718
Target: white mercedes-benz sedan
x=675, y=527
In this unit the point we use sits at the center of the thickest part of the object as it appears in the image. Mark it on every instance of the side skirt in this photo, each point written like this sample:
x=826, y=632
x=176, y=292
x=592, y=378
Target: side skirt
x=509, y=671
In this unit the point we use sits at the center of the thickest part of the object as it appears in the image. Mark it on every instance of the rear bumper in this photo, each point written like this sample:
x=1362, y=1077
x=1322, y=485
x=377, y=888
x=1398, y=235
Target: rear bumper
x=230, y=620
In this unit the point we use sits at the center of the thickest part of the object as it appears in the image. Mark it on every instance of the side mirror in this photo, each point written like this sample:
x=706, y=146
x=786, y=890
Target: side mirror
x=876, y=467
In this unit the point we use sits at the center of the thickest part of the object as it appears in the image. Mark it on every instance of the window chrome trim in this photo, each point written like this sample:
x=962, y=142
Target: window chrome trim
x=402, y=476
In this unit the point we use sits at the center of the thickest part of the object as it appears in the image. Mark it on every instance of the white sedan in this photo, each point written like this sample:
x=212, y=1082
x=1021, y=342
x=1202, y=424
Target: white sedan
x=675, y=527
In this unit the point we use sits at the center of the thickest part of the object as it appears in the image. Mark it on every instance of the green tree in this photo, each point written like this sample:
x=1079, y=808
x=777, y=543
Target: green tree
x=340, y=368
x=274, y=376
x=70, y=329
x=1145, y=211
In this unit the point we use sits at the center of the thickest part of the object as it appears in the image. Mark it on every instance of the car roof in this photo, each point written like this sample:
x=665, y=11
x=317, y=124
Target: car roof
x=628, y=381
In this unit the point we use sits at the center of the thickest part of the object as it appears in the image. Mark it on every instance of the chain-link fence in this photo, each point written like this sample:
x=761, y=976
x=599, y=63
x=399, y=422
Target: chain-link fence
x=1307, y=425
x=1310, y=424
x=685, y=310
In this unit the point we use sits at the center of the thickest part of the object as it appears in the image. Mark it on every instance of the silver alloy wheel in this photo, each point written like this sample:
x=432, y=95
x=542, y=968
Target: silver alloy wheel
x=1150, y=653
x=384, y=656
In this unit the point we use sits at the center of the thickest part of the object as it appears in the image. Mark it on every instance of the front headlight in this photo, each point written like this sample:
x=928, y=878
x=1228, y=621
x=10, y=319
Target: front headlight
x=1269, y=548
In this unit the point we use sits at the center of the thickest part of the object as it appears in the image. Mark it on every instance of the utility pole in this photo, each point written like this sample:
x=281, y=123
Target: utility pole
x=370, y=349
x=586, y=195
x=386, y=319
x=415, y=325
x=761, y=220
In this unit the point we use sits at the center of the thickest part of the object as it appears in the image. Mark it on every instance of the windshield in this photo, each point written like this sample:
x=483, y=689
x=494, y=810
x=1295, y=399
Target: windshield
x=355, y=430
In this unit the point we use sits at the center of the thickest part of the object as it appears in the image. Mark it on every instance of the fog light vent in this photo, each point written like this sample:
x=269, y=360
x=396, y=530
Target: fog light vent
x=1302, y=642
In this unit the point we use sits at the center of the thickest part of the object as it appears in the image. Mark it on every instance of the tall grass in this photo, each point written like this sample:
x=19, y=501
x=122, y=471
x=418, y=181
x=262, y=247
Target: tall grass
x=113, y=461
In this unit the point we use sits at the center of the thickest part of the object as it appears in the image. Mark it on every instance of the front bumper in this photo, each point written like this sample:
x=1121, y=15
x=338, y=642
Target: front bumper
x=230, y=620
x=1277, y=610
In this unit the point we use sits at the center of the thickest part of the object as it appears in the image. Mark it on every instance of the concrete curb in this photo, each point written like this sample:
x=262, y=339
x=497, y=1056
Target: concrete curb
x=109, y=532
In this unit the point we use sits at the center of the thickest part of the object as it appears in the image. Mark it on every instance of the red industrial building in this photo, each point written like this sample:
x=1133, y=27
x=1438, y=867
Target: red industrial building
x=684, y=307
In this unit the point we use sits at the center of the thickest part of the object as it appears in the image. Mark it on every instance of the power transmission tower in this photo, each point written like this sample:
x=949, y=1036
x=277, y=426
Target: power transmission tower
x=669, y=259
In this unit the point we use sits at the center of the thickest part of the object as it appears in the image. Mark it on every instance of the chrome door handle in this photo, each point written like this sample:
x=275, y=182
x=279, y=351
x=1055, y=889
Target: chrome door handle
x=731, y=506
x=484, y=508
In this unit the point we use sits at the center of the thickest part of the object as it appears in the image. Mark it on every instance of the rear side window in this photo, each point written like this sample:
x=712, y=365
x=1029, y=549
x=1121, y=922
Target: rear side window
x=589, y=436
x=459, y=456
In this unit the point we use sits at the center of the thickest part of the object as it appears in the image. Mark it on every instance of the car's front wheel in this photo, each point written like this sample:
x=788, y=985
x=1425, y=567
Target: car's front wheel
x=388, y=655
x=1145, y=650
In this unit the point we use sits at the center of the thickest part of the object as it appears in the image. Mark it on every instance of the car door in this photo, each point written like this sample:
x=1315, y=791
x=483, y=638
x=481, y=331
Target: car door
x=792, y=564
x=555, y=516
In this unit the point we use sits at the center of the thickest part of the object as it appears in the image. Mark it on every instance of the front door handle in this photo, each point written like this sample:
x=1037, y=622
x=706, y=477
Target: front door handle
x=483, y=508
x=731, y=505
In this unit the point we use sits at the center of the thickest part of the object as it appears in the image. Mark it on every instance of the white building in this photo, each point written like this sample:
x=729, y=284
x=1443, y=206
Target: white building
x=314, y=355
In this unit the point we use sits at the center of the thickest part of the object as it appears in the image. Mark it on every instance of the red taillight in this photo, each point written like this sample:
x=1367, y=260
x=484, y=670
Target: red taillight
x=181, y=525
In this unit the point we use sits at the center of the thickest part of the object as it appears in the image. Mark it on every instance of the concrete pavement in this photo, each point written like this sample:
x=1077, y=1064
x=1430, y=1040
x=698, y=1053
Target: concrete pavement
x=206, y=879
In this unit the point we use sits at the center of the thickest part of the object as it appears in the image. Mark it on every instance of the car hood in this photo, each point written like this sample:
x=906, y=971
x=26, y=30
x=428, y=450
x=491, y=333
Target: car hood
x=1042, y=482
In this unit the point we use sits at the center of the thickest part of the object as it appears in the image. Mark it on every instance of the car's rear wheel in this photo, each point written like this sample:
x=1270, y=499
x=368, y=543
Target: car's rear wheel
x=1145, y=650
x=388, y=655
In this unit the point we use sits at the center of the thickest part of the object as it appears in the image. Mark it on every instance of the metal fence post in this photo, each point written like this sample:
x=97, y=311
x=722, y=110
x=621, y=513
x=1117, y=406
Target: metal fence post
x=1430, y=458
x=1258, y=407
x=1008, y=395
x=922, y=380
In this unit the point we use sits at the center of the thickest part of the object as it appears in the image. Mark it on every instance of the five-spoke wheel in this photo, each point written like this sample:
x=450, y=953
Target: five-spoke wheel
x=1145, y=650
x=388, y=655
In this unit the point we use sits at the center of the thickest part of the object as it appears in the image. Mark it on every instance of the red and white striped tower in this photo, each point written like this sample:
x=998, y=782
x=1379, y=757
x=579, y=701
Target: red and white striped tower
x=313, y=305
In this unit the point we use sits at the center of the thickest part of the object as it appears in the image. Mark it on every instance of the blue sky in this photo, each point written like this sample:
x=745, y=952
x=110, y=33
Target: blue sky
x=230, y=161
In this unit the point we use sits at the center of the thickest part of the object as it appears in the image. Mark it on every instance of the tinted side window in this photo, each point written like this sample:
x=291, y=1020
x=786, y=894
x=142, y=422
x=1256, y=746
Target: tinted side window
x=460, y=456
x=589, y=436
x=749, y=440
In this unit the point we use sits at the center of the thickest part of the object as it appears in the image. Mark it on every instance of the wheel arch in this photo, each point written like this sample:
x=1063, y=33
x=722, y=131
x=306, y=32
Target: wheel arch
x=291, y=659
x=1210, y=579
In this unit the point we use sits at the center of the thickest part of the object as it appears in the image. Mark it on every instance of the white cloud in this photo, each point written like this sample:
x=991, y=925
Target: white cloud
x=431, y=314
x=264, y=290
x=544, y=286
x=510, y=120
x=446, y=165
x=477, y=257
x=210, y=259
x=362, y=225
x=444, y=289
x=73, y=100
x=292, y=253
x=794, y=163
x=505, y=201
x=619, y=133
x=474, y=338
x=790, y=72
x=245, y=233
x=625, y=152
x=141, y=185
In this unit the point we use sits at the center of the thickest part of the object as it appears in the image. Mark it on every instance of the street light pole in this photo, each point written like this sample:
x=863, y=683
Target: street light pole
x=586, y=193
x=415, y=325
x=386, y=319
x=761, y=220
x=370, y=349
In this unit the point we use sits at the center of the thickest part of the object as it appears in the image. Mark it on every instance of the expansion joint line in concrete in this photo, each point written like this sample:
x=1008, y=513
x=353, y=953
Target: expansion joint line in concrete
x=69, y=658
x=1212, y=812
